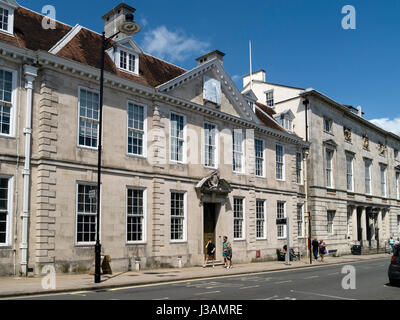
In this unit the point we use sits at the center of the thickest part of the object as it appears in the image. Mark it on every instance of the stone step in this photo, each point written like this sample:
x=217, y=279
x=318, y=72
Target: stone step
x=218, y=263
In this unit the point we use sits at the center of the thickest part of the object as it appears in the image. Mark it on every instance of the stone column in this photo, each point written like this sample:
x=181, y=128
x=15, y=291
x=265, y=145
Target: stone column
x=354, y=224
x=364, y=226
x=380, y=226
x=371, y=219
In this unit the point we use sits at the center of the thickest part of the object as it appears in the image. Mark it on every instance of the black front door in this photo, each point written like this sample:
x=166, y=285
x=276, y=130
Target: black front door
x=210, y=222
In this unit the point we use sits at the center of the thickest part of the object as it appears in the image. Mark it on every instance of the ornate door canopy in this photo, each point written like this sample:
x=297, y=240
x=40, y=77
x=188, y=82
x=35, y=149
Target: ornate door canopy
x=214, y=185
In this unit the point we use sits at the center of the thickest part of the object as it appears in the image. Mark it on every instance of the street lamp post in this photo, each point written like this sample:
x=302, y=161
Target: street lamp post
x=129, y=28
x=306, y=102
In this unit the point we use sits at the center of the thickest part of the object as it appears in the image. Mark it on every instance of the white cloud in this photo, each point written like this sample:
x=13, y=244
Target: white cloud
x=391, y=125
x=175, y=46
x=144, y=22
x=236, y=77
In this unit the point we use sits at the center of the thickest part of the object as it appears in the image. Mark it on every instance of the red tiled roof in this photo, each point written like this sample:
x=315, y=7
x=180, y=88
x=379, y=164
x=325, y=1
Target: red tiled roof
x=268, y=110
x=85, y=48
x=29, y=33
x=268, y=121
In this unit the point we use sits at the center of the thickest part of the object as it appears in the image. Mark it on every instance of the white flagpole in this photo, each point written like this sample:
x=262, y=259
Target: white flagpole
x=251, y=66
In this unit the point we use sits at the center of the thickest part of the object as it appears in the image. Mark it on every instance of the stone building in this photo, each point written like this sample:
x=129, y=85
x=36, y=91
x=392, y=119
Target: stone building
x=186, y=156
x=353, y=167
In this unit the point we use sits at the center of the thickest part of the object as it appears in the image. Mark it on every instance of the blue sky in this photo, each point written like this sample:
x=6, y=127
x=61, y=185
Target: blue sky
x=298, y=42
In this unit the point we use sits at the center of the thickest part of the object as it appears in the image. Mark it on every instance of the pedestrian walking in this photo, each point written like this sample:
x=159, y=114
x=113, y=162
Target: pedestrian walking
x=315, y=248
x=391, y=245
x=229, y=256
x=225, y=250
x=210, y=247
x=397, y=242
x=322, y=250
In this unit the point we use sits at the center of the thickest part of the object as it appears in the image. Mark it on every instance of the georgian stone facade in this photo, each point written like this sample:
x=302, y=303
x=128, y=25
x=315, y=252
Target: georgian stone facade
x=142, y=195
x=359, y=201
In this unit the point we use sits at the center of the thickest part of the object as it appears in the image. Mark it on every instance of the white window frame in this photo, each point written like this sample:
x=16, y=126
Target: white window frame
x=329, y=171
x=85, y=244
x=283, y=163
x=216, y=147
x=13, y=110
x=268, y=98
x=144, y=132
x=10, y=205
x=264, y=220
x=10, y=29
x=302, y=226
x=144, y=220
x=368, y=179
x=243, y=219
x=383, y=170
x=184, y=240
x=184, y=147
x=241, y=153
x=350, y=174
x=284, y=216
x=331, y=222
x=79, y=119
x=127, y=69
x=263, y=175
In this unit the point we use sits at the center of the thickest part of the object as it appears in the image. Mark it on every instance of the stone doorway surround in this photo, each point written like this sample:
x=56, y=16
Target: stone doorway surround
x=213, y=192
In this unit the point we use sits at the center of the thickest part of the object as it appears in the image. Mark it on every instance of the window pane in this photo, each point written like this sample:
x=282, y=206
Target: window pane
x=177, y=216
x=177, y=137
x=89, y=118
x=279, y=162
x=259, y=150
x=87, y=214
x=210, y=132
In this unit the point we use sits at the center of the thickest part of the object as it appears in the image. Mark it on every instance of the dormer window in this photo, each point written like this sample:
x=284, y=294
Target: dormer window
x=285, y=119
x=6, y=19
x=126, y=56
x=127, y=61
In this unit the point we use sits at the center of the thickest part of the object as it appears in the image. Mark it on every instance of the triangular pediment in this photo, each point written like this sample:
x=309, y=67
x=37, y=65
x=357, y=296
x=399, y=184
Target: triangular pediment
x=193, y=84
x=129, y=44
x=330, y=143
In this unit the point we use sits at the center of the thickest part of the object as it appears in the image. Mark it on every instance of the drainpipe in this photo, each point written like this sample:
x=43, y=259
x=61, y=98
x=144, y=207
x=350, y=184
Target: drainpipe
x=30, y=73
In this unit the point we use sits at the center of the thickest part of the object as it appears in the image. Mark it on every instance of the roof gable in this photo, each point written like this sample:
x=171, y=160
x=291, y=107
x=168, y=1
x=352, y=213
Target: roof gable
x=229, y=89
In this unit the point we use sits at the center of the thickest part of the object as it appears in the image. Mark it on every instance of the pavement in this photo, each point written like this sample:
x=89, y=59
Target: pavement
x=22, y=287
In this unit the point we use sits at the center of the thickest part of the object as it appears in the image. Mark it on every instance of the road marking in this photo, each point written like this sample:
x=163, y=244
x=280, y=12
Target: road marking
x=313, y=277
x=202, y=279
x=204, y=293
x=287, y=281
x=252, y=287
x=333, y=274
x=79, y=293
x=270, y=298
x=321, y=295
x=161, y=299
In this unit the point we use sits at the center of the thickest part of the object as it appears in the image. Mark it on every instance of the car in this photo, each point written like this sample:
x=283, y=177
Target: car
x=394, y=268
